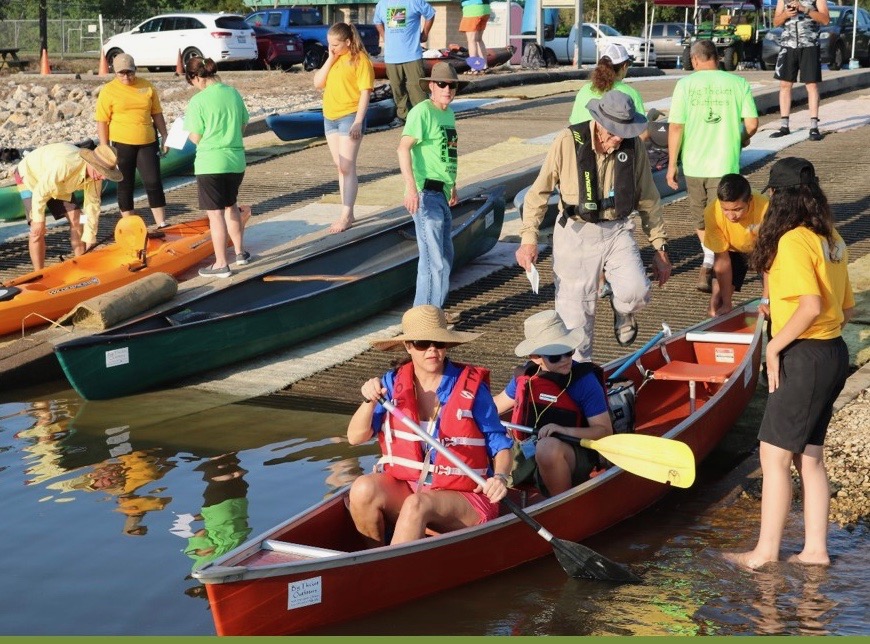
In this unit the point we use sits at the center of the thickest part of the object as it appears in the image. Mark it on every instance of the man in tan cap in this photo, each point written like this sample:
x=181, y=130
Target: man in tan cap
x=428, y=152
x=48, y=176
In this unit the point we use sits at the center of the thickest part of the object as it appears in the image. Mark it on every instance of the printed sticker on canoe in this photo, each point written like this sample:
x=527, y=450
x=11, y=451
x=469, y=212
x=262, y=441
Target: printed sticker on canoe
x=725, y=354
x=117, y=357
x=306, y=592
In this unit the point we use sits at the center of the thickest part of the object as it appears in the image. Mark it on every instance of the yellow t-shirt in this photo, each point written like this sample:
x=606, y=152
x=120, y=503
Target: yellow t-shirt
x=722, y=235
x=345, y=83
x=804, y=266
x=129, y=110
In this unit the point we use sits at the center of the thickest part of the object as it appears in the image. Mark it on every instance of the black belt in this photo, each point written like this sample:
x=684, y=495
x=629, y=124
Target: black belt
x=590, y=214
x=433, y=185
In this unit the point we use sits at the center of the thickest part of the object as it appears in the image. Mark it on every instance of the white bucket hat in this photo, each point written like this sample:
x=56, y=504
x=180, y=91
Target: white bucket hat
x=547, y=335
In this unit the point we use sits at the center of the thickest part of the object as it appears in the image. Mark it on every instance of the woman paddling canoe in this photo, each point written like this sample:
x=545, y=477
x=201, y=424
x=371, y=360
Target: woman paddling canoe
x=417, y=488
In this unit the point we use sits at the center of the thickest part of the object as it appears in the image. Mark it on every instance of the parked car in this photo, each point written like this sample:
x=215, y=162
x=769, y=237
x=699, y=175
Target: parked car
x=736, y=28
x=155, y=43
x=835, y=39
x=307, y=22
x=595, y=38
x=668, y=40
x=278, y=48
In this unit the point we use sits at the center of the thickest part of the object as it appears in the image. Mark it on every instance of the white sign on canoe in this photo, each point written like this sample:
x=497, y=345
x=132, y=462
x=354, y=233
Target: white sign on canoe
x=306, y=592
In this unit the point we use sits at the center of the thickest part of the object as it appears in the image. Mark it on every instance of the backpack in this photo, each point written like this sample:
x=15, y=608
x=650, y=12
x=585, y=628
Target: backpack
x=533, y=56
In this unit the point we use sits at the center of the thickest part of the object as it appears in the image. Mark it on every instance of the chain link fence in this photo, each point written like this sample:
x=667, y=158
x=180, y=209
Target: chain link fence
x=68, y=36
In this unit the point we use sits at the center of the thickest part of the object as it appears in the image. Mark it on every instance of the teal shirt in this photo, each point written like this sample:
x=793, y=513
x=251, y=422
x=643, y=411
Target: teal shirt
x=436, y=151
x=218, y=115
x=579, y=114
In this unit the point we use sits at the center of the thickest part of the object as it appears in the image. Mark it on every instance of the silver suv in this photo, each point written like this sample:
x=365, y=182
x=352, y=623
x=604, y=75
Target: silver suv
x=668, y=40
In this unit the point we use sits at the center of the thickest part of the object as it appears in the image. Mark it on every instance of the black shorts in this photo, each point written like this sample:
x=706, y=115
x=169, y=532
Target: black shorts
x=805, y=60
x=811, y=376
x=739, y=268
x=219, y=191
x=57, y=207
x=585, y=460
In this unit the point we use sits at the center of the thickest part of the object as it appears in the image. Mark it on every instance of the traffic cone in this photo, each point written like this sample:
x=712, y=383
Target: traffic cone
x=104, y=64
x=179, y=66
x=44, y=67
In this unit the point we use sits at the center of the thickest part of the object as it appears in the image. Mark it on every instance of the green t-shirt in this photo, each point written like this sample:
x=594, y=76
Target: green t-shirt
x=579, y=114
x=435, y=153
x=217, y=114
x=711, y=105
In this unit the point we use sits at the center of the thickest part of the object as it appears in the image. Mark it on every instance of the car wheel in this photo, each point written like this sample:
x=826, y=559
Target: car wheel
x=838, y=58
x=687, y=59
x=190, y=52
x=550, y=59
x=315, y=56
x=730, y=59
x=110, y=57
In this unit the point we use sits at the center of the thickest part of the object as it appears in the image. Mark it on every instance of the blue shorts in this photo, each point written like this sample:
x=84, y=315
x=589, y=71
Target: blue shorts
x=340, y=126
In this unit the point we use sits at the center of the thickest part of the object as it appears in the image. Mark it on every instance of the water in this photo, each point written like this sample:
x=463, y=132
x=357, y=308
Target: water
x=96, y=537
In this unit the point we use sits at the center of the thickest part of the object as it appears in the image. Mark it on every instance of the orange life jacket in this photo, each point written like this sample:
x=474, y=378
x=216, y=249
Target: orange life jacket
x=405, y=456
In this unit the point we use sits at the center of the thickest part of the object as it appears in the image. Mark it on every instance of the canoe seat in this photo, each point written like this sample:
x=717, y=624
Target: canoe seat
x=692, y=373
x=298, y=550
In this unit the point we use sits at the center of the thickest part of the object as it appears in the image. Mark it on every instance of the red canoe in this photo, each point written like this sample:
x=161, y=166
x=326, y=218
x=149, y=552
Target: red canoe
x=308, y=571
x=494, y=58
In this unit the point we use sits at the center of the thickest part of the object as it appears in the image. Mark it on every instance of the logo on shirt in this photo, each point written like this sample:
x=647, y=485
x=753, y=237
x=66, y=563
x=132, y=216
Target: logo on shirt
x=397, y=17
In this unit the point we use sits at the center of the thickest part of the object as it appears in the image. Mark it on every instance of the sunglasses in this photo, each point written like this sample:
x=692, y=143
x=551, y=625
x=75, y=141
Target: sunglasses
x=127, y=72
x=558, y=358
x=423, y=345
x=443, y=84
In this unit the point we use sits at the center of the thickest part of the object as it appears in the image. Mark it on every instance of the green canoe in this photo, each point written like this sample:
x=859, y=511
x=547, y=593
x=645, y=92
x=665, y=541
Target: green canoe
x=270, y=311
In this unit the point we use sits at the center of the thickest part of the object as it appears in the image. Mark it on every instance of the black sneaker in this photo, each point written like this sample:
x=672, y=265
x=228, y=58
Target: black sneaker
x=243, y=258
x=815, y=135
x=211, y=271
x=783, y=131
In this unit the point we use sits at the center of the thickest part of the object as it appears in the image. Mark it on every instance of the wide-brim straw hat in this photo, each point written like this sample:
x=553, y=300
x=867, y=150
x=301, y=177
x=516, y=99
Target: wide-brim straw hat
x=615, y=112
x=425, y=322
x=547, y=335
x=443, y=72
x=105, y=159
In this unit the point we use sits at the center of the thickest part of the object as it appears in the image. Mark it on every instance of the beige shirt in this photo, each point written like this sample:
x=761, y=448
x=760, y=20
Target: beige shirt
x=56, y=171
x=560, y=170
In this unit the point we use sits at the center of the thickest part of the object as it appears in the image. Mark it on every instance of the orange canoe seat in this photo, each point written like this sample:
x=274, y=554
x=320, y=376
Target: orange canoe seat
x=692, y=373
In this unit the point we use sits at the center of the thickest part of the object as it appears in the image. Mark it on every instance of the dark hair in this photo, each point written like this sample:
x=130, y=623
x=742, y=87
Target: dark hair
x=803, y=205
x=734, y=187
x=200, y=67
x=605, y=73
x=704, y=49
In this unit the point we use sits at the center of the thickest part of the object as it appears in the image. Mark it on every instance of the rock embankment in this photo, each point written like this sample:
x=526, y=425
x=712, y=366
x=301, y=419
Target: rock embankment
x=846, y=456
x=38, y=112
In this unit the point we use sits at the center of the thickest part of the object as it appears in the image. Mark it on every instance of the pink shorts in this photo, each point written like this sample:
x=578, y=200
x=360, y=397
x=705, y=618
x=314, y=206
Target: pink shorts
x=485, y=510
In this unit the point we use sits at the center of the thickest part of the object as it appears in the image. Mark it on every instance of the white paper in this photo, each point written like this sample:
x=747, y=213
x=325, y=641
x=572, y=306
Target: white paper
x=534, y=278
x=176, y=137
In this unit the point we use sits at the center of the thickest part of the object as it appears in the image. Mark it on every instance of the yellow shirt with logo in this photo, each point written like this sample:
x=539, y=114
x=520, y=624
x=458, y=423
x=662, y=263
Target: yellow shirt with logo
x=722, y=235
x=129, y=111
x=806, y=265
x=344, y=84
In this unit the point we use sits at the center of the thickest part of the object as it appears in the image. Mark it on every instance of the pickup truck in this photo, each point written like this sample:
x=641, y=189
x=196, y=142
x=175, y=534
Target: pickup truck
x=561, y=49
x=307, y=23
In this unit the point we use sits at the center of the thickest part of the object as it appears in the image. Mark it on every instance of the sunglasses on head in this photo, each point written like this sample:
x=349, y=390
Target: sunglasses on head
x=423, y=345
x=443, y=84
x=558, y=358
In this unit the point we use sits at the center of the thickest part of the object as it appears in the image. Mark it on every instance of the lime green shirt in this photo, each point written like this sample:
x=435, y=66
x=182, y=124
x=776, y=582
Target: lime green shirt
x=579, y=114
x=435, y=153
x=218, y=115
x=711, y=105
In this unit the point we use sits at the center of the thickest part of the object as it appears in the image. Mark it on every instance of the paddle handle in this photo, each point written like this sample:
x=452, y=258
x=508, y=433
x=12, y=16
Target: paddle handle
x=585, y=442
x=310, y=278
x=634, y=356
x=450, y=456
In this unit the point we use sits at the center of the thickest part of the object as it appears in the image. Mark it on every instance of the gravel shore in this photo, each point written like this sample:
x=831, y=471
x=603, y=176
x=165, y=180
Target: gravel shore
x=846, y=457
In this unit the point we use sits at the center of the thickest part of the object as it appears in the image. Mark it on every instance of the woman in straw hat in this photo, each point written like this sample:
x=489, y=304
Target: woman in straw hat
x=428, y=152
x=557, y=396
x=48, y=177
x=415, y=487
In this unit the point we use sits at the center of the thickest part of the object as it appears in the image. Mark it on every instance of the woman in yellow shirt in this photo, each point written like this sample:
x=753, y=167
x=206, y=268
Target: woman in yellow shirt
x=807, y=360
x=128, y=113
x=347, y=78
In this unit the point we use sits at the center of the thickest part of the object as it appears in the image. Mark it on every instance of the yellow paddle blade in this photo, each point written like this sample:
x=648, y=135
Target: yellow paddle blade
x=131, y=234
x=658, y=459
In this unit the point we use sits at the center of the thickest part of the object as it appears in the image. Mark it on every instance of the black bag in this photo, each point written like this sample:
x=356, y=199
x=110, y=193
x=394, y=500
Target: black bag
x=533, y=56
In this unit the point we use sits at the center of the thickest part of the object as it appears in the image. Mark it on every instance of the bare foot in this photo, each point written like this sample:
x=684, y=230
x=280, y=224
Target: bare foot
x=810, y=559
x=748, y=560
x=342, y=224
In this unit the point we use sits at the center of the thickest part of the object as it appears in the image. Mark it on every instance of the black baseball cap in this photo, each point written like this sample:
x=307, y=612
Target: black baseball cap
x=791, y=171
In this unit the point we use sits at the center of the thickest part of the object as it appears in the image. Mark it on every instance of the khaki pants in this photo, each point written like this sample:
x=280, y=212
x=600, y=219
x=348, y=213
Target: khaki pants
x=580, y=252
x=405, y=82
x=701, y=192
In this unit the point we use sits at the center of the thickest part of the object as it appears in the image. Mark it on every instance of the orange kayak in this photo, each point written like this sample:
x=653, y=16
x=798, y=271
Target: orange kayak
x=42, y=296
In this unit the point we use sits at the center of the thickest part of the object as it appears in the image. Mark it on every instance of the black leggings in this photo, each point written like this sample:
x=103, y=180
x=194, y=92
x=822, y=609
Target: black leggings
x=144, y=158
